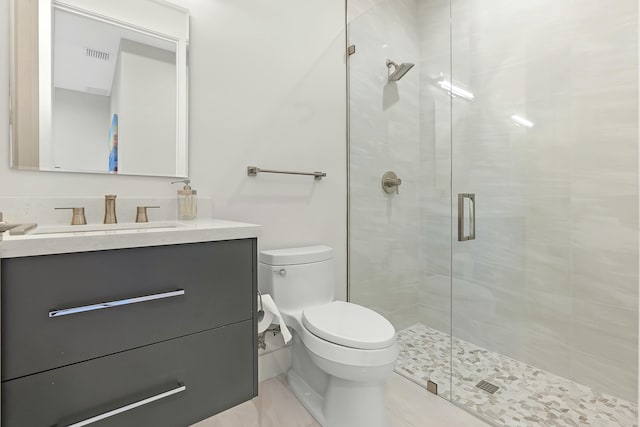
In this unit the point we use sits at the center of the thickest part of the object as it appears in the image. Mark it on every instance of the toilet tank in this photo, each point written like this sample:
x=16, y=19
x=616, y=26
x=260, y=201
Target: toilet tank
x=297, y=278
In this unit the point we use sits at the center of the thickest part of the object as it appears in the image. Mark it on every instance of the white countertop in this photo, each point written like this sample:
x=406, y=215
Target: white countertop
x=203, y=230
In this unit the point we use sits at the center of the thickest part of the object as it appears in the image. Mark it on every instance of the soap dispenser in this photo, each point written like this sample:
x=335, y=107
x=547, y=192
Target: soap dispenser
x=187, y=201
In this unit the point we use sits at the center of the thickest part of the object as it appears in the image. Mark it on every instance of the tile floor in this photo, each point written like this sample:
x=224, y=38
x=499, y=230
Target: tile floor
x=528, y=396
x=409, y=405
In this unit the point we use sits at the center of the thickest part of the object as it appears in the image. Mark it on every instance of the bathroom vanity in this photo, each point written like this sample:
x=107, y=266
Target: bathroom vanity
x=129, y=328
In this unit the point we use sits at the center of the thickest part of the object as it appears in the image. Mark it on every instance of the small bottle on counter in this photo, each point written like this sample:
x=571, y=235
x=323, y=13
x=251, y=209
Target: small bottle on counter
x=187, y=201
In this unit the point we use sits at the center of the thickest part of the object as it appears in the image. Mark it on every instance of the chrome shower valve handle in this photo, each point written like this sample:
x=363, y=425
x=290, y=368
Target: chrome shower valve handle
x=391, y=183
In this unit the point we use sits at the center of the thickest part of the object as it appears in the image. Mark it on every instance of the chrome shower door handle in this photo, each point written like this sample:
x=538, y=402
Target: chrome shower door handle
x=466, y=203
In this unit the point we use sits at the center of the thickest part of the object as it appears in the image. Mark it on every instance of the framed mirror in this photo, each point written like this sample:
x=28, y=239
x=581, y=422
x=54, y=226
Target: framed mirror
x=100, y=87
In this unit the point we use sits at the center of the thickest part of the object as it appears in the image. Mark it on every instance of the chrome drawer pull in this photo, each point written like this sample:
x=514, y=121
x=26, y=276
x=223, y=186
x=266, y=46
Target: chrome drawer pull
x=67, y=311
x=129, y=407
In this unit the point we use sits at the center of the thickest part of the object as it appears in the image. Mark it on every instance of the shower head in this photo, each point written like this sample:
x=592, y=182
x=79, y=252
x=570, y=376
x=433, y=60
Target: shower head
x=398, y=70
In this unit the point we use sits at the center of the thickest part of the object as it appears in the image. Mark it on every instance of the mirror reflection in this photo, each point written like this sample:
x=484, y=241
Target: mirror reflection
x=114, y=100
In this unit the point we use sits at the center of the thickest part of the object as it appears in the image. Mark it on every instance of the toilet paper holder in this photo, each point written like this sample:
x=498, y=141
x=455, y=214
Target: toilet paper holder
x=269, y=319
x=262, y=343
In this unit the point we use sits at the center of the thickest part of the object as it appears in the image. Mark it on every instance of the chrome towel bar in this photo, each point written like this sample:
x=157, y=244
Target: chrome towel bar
x=254, y=170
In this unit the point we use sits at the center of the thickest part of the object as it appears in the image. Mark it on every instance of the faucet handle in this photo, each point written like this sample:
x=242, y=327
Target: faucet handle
x=78, y=217
x=110, y=209
x=141, y=214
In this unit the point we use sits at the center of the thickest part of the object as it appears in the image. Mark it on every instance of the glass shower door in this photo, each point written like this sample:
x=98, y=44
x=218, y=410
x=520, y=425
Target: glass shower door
x=493, y=200
x=545, y=295
x=400, y=235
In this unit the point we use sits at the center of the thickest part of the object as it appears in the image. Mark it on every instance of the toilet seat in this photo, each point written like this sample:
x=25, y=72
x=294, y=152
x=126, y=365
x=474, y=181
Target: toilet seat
x=349, y=325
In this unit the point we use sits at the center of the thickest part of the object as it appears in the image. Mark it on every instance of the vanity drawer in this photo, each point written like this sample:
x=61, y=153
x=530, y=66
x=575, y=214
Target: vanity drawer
x=216, y=367
x=217, y=279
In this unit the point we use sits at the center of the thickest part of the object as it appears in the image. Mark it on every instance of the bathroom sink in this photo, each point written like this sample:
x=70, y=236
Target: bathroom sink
x=58, y=229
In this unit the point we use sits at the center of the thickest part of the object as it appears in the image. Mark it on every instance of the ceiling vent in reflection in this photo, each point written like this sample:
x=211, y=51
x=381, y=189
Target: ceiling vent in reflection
x=92, y=53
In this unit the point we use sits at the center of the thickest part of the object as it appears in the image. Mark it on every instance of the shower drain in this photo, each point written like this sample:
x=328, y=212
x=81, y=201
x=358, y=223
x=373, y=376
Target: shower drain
x=487, y=386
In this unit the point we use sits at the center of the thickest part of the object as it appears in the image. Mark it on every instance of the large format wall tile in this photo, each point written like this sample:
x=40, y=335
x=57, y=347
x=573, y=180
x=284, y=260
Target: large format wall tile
x=605, y=223
x=605, y=276
x=384, y=135
x=602, y=374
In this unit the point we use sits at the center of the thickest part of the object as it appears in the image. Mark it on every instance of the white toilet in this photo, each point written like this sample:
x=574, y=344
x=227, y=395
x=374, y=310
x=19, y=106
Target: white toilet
x=342, y=352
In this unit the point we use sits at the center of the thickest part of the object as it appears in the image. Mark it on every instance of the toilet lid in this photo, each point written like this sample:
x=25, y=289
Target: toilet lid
x=350, y=325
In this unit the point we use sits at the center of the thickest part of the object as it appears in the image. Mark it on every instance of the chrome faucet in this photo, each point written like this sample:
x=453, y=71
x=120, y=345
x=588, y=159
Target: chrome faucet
x=110, y=209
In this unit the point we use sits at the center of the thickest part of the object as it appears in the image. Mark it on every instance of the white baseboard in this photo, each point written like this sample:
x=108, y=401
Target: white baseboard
x=274, y=363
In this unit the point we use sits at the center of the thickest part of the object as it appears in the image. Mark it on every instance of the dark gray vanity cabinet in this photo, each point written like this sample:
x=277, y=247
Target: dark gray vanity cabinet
x=162, y=336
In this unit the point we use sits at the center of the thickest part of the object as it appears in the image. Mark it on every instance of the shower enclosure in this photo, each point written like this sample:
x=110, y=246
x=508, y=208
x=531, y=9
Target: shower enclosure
x=505, y=250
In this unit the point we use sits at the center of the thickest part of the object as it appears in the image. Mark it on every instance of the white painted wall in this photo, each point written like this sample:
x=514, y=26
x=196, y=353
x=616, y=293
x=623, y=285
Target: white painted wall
x=267, y=85
x=147, y=109
x=268, y=89
x=81, y=130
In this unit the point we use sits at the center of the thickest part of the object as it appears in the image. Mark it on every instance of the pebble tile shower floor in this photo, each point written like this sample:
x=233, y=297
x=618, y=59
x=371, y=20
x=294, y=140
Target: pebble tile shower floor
x=527, y=396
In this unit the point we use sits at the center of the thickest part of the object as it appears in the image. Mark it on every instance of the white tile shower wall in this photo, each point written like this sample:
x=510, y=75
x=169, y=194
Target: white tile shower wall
x=384, y=229
x=267, y=86
x=552, y=279
x=434, y=296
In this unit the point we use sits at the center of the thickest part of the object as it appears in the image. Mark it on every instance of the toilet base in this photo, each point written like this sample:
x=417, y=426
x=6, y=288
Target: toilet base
x=346, y=403
x=349, y=403
x=311, y=400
